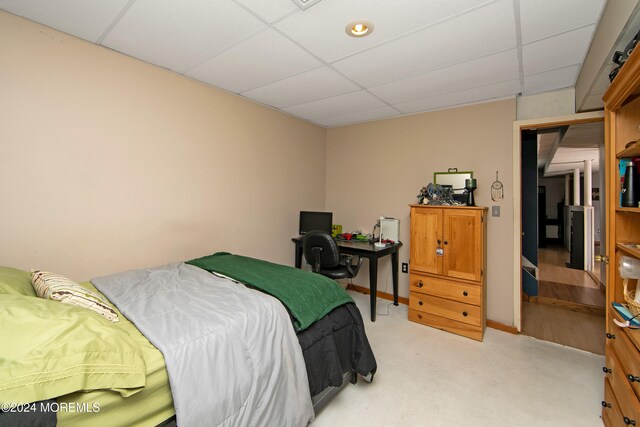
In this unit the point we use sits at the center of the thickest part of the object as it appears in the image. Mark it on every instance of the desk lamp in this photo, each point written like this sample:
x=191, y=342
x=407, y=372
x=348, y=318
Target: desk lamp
x=379, y=243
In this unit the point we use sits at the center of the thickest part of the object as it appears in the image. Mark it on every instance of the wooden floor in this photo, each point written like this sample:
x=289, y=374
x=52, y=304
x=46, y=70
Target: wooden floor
x=552, y=265
x=566, y=292
x=569, y=309
x=562, y=326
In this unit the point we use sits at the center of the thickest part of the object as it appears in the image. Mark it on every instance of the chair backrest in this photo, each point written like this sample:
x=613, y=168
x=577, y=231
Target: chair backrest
x=329, y=253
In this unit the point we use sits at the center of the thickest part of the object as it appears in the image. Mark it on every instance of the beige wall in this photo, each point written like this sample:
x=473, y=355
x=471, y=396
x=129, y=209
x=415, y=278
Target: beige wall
x=108, y=163
x=378, y=168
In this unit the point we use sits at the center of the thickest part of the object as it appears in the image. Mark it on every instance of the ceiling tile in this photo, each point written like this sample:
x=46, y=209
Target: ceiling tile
x=181, y=34
x=362, y=116
x=331, y=107
x=484, y=31
x=264, y=58
x=488, y=70
x=306, y=87
x=87, y=19
x=556, y=52
x=321, y=28
x=270, y=10
x=484, y=93
x=544, y=18
x=551, y=80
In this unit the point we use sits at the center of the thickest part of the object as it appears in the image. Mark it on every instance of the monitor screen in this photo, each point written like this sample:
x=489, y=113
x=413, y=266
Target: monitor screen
x=310, y=221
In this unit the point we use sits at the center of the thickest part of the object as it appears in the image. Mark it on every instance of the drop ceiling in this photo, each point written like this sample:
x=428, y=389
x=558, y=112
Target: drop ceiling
x=422, y=55
x=560, y=151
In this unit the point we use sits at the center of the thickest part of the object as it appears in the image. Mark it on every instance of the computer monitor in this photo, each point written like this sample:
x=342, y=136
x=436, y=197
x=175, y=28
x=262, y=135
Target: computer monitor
x=310, y=221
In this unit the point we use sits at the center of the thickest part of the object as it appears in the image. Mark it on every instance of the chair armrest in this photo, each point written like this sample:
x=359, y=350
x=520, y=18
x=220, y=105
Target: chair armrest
x=352, y=267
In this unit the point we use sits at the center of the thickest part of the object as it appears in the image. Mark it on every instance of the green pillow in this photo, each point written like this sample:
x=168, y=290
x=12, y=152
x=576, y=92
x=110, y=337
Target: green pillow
x=51, y=349
x=14, y=281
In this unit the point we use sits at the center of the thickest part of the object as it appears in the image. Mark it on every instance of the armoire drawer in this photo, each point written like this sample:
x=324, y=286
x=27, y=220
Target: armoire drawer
x=445, y=288
x=626, y=398
x=627, y=354
x=454, y=310
x=611, y=413
x=465, y=329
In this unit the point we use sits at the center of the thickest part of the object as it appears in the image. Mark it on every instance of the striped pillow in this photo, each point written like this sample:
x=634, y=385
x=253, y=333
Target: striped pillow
x=58, y=288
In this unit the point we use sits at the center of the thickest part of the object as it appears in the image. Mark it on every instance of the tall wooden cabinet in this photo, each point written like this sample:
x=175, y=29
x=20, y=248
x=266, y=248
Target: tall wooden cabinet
x=621, y=404
x=447, y=268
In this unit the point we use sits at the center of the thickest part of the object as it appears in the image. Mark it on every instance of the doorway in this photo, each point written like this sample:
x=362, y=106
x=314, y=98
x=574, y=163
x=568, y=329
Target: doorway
x=558, y=300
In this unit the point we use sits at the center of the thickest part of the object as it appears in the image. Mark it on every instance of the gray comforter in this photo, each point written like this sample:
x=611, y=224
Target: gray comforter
x=231, y=353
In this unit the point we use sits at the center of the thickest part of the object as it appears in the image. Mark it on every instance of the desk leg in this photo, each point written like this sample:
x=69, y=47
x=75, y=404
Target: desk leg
x=373, y=284
x=394, y=268
x=298, y=255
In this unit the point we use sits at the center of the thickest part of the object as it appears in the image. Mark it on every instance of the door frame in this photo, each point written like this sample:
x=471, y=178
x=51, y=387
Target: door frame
x=518, y=127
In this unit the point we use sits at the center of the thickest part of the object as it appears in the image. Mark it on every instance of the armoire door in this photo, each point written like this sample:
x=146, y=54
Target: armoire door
x=426, y=238
x=463, y=244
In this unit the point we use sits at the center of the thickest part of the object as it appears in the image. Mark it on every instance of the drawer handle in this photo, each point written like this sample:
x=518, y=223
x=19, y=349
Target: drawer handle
x=465, y=293
x=606, y=370
x=606, y=405
x=439, y=241
x=610, y=336
x=631, y=378
x=419, y=316
x=465, y=314
x=446, y=242
x=420, y=284
x=420, y=303
x=629, y=421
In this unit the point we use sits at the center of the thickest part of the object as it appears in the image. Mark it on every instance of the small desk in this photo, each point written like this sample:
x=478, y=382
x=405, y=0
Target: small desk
x=372, y=253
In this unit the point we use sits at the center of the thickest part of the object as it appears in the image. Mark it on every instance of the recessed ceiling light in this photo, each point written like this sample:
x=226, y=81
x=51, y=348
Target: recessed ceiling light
x=359, y=28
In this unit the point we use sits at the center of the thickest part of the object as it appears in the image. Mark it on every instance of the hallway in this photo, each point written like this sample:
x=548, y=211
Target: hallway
x=566, y=287
x=570, y=305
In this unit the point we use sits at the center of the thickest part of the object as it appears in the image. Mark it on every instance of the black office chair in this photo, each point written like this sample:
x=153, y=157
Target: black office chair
x=322, y=253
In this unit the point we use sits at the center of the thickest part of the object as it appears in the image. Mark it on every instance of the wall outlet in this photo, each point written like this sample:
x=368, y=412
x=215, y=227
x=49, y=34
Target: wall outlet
x=405, y=267
x=495, y=211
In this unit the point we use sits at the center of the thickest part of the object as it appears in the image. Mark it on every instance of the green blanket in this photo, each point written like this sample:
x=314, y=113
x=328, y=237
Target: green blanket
x=308, y=296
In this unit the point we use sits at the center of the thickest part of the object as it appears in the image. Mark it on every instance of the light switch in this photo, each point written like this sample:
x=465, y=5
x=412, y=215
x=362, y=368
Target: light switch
x=495, y=210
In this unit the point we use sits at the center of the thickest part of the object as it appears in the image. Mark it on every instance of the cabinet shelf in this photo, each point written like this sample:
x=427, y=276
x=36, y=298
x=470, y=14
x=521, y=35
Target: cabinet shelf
x=628, y=210
x=629, y=250
x=632, y=151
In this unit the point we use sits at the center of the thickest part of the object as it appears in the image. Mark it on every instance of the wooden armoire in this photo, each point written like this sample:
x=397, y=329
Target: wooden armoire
x=447, y=286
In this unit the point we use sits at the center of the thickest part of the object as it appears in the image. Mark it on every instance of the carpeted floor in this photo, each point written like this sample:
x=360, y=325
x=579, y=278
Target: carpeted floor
x=427, y=377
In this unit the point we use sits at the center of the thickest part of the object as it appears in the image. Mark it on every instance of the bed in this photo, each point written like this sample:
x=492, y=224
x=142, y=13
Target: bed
x=334, y=349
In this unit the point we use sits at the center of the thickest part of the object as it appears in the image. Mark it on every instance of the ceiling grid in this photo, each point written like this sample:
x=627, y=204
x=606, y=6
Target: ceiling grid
x=420, y=57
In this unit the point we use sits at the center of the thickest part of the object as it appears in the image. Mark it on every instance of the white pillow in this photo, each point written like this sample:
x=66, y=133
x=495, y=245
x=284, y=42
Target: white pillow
x=58, y=288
